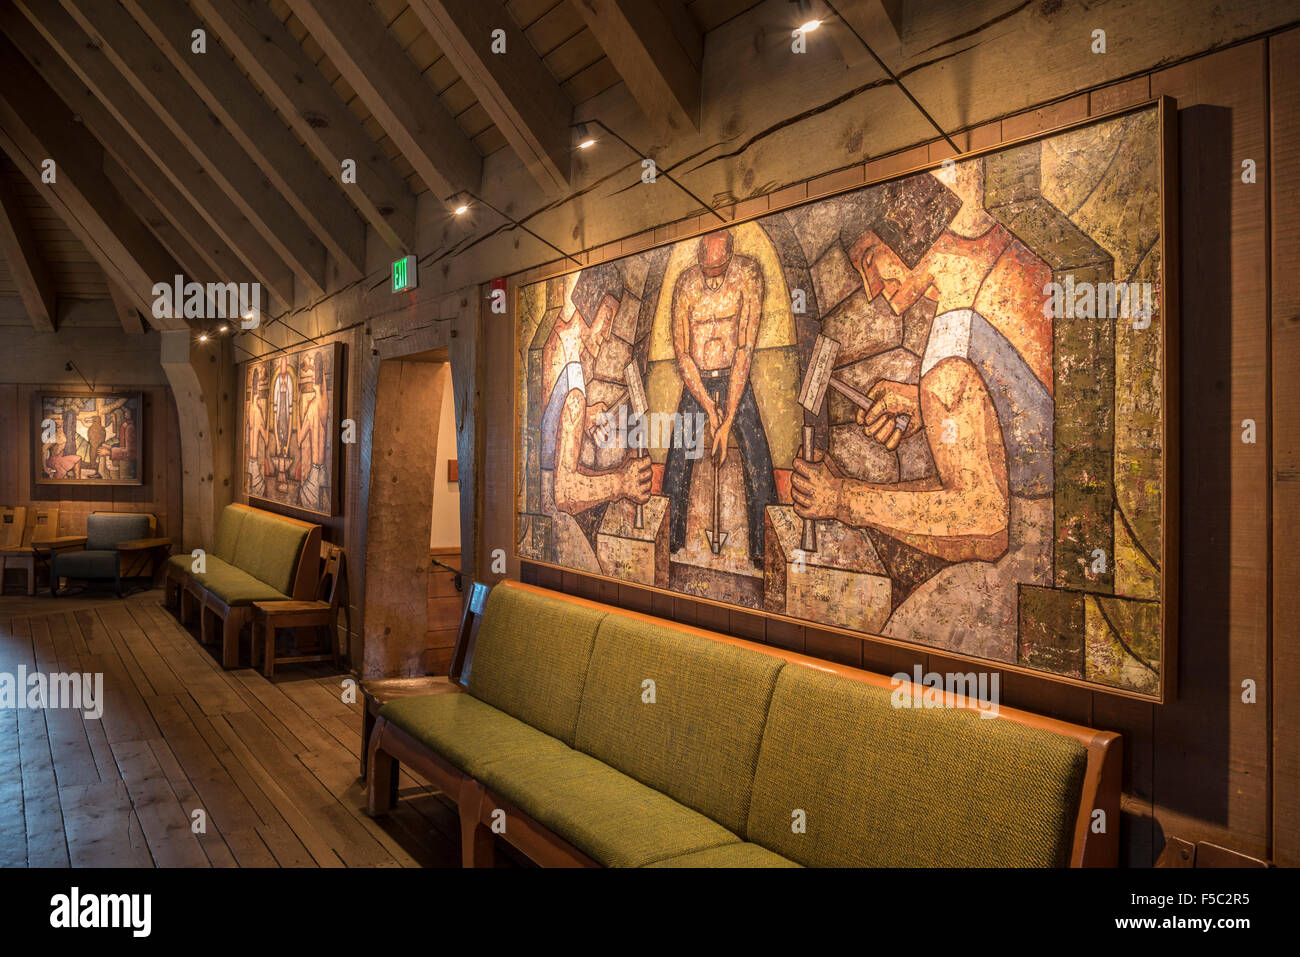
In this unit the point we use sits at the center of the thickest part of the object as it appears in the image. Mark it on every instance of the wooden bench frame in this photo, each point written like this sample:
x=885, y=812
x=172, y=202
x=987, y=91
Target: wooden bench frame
x=387, y=747
x=182, y=592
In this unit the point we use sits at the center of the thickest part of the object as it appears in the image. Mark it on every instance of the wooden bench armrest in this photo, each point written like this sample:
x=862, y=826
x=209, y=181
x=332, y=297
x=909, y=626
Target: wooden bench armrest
x=140, y=543
x=48, y=546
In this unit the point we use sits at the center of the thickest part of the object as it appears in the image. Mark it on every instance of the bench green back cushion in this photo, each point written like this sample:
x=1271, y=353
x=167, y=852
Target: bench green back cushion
x=268, y=549
x=698, y=741
x=232, y=519
x=901, y=787
x=530, y=658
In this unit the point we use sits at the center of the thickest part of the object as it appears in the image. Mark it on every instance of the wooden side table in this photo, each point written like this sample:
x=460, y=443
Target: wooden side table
x=272, y=615
x=140, y=553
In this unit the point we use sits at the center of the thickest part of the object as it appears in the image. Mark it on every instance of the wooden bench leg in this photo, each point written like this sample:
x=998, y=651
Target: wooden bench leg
x=367, y=729
x=477, y=846
x=186, y=605
x=381, y=780
x=230, y=638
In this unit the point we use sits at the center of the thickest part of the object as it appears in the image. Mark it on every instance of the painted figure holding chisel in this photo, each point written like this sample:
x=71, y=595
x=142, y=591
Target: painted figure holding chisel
x=983, y=398
x=571, y=488
x=717, y=309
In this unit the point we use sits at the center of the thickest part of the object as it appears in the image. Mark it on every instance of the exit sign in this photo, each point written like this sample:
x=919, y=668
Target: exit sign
x=404, y=274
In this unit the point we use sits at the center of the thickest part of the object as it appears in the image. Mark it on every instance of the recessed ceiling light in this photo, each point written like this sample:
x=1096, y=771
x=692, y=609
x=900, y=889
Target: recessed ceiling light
x=203, y=337
x=224, y=328
x=586, y=144
x=462, y=209
x=810, y=26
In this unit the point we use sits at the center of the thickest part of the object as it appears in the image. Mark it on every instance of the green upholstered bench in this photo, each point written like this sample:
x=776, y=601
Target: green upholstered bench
x=256, y=556
x=602, y=737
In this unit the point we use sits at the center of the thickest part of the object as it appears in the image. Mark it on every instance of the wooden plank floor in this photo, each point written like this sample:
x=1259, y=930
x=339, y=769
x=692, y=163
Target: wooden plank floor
x=272, y=765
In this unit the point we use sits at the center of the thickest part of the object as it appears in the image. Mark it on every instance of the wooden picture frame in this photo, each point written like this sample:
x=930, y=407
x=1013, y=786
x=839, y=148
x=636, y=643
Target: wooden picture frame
x=1155, y=672
x=114, y=421
x=287, y=480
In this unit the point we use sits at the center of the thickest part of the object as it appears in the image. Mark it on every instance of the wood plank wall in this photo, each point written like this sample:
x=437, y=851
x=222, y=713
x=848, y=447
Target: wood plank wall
x=160, y=492
x=1209, y=765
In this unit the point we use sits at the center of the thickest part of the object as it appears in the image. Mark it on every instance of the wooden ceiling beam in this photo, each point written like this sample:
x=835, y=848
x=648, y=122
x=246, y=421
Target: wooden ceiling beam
x=35, y=125
x=374, y=64
x=18, y=246
x=658, y=50
x=135, y=57
x=127, y=314
x=147, y=190
x=515, y=87
x=879, y=22
x=142, y=144
x=186, y=253
x=317, y=196
x=293, y=84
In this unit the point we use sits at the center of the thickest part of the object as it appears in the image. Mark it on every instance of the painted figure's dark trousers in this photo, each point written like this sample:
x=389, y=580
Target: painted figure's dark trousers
x=755, y=456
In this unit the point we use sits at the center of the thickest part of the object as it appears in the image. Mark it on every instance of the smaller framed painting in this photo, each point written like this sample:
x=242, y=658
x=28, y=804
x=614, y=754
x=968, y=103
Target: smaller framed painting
x=290, y=415
x=80, y=438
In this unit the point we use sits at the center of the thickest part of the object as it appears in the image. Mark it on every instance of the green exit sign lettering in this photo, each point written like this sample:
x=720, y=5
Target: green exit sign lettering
x=404, y=274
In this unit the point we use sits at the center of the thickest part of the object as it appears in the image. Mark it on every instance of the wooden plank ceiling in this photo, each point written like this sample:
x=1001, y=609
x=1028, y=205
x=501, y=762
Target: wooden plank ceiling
x=231, y=161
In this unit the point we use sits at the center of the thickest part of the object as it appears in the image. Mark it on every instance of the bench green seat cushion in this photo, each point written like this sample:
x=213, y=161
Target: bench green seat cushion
x=728, y=855
x=268, y=548
x=234, y=586
x=698, y=742
x=469, y=733
x=901, y=787
x=530, y=658
x=607, y=815
x=612, y=818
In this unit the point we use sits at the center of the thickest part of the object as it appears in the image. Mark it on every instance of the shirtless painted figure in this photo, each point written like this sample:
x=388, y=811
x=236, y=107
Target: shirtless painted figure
x=568, y=362
x=716, y=312
x=989, y=327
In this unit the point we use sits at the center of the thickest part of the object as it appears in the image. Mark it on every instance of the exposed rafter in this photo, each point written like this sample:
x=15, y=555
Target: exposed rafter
x=35, y=126
x=126, y=312
x=318, y=198
x=658, y=51
x=54, y=43
x=18, y=246
x=129, y=49
x=375, y=65
x=514, y=87
x=191, y=260
x=288, y=78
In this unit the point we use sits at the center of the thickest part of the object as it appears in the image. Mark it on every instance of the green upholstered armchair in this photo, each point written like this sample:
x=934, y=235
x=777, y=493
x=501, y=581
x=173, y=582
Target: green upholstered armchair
x=100, y=559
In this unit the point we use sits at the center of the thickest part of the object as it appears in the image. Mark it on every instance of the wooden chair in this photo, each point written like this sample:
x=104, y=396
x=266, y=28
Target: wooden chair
x=13, y=529
x=332, y=597
x=24, y=539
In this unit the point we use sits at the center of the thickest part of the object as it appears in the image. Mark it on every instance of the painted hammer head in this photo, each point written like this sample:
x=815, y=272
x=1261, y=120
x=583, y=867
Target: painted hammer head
x=818, y=377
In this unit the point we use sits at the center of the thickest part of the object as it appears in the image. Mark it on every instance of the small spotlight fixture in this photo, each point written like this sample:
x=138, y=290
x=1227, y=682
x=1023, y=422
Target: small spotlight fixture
x=247, y=315
x=810, y=26
x=462, y=209
x=223, y=328
x=586, y=144
x=203, y=337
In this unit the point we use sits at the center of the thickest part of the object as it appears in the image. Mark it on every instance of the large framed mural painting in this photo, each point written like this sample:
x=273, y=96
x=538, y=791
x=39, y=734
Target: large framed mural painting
x=938, y=410
x=290, y=428
x=87, y=438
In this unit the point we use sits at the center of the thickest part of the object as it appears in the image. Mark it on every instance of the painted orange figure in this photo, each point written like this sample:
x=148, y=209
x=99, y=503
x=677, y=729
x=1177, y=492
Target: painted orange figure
x=716, y=312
